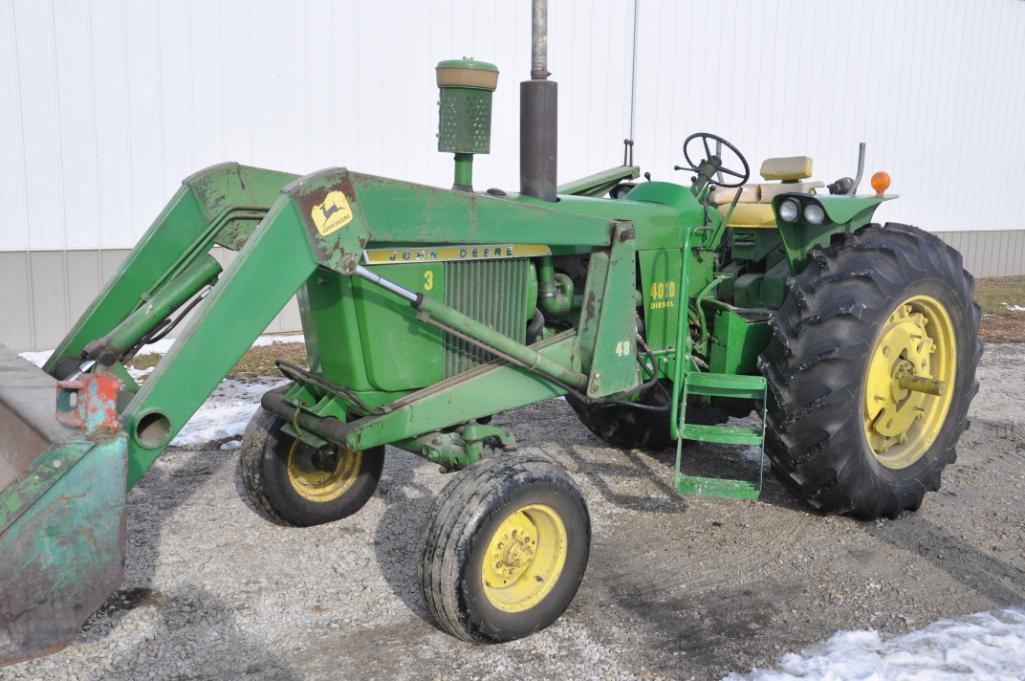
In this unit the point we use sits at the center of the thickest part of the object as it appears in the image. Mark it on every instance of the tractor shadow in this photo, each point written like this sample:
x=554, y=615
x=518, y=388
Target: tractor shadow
x=642, y=481
x=196, y=636
x=193, y=625
x=995, y=580
x=990, y=456
x=149, y=505
x=406, y=505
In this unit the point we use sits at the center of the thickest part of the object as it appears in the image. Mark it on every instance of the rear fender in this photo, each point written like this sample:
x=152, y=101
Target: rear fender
x=844, y=215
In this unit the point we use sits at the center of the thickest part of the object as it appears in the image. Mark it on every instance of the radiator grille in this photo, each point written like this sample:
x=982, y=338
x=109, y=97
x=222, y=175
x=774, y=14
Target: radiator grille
x=493, y=292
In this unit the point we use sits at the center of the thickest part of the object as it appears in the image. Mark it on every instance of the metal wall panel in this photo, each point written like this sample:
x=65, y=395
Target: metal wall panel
x=105, y=106
x=930, y=85
x=45, y=292
x=49, y=294
x=17, y=323
x=990, y=253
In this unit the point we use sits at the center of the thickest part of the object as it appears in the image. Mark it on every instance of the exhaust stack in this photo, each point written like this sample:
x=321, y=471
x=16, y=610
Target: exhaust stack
x=539, y=114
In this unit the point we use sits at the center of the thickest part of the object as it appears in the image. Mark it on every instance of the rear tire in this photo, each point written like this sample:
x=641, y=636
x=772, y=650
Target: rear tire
x=504, y=549
x=290, y=484
x=831, y=337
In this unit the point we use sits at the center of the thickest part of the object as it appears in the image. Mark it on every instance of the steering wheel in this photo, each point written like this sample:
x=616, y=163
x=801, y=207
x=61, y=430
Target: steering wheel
x=723, y=169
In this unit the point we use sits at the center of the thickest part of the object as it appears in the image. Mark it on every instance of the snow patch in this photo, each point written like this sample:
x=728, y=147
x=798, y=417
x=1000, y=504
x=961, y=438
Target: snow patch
x=988, y=645
x=37, y=358
x=752, y=454
x=1013, y=308
x=164, y=344
x=225, y=413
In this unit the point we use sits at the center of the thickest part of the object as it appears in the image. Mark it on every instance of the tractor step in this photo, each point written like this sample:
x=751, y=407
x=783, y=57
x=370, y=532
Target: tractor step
x=723, y=435
x=725, y=385
x=730, y=386
x=720, y=488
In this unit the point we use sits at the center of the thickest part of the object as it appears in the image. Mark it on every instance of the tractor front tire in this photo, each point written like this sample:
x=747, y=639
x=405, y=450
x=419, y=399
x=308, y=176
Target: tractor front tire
x=888, y=308
x=504, y=548
x=290, y=483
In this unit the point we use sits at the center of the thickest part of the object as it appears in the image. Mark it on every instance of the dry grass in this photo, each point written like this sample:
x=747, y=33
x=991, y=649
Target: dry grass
x=259, y=362
x=256, y=363
x=996, y=296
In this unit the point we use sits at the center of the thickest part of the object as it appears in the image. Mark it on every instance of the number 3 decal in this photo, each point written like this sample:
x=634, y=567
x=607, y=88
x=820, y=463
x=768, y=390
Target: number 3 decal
x=428, y=280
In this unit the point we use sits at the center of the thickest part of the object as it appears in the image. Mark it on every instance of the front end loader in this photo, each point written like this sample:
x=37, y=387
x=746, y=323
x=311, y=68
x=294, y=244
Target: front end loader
x=661, y=311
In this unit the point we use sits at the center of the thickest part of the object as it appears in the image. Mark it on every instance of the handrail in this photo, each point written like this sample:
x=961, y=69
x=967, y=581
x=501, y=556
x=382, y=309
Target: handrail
x=682, y=353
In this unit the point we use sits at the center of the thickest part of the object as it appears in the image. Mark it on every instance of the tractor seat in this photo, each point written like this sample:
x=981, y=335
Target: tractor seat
x=754, y=207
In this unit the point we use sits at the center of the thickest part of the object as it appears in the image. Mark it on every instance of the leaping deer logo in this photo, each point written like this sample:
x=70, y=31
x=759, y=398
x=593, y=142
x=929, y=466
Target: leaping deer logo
x=333, y=214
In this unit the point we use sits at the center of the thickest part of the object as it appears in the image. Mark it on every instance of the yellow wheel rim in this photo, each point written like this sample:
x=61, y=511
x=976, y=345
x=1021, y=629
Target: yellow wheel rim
x=323, y=474
x=909, y=382
x=524, y=558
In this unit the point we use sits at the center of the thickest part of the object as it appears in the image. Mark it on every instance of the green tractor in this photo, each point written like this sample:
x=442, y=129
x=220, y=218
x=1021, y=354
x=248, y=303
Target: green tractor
x=658, y=310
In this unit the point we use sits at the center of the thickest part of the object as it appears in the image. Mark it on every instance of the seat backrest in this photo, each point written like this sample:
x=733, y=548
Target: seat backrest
x=788, y=168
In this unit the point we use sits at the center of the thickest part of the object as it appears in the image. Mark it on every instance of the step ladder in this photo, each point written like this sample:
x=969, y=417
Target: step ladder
x=687, y=381
x=720, y=385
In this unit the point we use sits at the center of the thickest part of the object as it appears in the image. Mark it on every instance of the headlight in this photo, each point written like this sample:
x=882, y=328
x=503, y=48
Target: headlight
x=814, y=213
x=789, y=210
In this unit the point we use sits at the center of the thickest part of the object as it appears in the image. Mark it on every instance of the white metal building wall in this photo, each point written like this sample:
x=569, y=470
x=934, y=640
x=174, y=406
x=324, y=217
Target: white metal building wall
x=935, y=87
x=106, y=105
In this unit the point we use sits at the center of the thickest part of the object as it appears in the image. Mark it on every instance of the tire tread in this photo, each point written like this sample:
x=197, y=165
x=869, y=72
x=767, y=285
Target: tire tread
x=821, y=329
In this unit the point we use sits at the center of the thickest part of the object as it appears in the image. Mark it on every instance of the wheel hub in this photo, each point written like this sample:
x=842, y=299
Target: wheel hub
x=524, y=558
x=910, y=367
x=322, y=474
x=511, y=550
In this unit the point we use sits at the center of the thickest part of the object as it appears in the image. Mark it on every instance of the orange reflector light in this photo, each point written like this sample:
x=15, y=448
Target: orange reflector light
x=880, y=182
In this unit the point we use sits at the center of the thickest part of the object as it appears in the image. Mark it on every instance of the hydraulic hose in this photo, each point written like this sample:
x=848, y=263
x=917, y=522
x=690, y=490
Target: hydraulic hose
x=555, y=290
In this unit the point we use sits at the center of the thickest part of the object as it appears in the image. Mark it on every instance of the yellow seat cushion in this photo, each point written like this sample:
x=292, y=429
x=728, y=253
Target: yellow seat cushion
x=750, y=193
x=787, y=168
x=750, y=215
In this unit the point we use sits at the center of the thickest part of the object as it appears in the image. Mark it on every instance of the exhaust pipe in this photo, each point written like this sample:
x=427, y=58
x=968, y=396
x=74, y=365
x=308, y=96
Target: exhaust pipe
x=539, y=98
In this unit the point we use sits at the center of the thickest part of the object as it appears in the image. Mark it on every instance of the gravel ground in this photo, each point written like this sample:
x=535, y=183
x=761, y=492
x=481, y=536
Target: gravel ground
x=677, y=587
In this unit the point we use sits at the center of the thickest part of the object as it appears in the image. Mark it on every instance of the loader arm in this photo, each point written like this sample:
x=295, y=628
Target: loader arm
x=220, y=205
x=268, y=271
x=327, y=219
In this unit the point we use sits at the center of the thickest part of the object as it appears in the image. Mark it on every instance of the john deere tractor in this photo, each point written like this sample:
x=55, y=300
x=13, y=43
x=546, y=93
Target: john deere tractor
x=659, y=310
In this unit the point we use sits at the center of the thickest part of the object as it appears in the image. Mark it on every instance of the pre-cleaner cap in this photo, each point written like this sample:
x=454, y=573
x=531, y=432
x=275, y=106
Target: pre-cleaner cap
x=467, y=73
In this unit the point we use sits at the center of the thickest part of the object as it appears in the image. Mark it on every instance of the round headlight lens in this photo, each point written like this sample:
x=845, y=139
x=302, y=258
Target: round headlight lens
x=789, y=210
x=814, y=213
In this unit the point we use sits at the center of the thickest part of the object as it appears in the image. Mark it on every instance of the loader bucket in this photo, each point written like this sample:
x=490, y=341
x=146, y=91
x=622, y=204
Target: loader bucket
x=62, y=496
